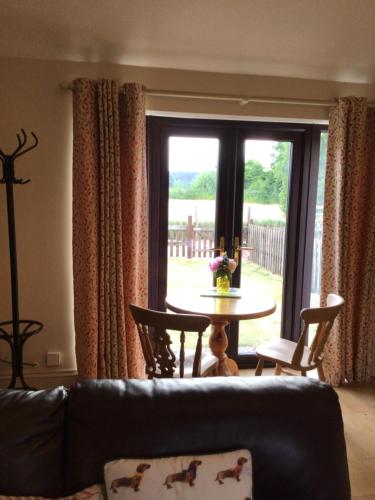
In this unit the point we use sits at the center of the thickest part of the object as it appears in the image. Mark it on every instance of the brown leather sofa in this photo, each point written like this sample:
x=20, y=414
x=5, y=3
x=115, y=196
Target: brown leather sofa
x=56, y=442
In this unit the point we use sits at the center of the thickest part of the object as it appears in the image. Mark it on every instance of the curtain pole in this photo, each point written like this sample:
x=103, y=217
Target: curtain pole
x=241, y=99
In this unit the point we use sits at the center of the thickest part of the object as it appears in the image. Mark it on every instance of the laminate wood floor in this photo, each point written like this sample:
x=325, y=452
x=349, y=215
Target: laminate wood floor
x=358, y=409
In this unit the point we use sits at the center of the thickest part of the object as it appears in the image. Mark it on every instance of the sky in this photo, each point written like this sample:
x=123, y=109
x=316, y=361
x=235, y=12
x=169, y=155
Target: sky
x=192, y=154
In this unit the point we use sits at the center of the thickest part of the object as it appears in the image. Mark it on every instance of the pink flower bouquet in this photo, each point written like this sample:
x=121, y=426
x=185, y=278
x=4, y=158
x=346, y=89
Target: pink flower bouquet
x=222, y=266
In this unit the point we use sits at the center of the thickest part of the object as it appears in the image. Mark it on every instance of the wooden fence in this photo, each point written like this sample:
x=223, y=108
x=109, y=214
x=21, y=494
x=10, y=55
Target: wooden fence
x=268, y=242
x=190, y=241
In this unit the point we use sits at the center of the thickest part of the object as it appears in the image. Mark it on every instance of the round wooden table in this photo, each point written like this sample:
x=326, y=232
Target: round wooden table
x=221, y=310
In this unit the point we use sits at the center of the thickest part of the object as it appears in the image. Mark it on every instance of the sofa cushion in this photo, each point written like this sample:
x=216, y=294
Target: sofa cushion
x=31, y=442
x=292, y=426
x=196, y=477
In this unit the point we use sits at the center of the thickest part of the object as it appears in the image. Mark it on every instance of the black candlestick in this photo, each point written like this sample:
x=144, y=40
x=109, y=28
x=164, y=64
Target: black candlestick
x=17, y=331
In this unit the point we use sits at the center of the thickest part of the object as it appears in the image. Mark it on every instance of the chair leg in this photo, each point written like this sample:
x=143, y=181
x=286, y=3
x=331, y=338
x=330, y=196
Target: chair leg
x=278, y=369
x=303, y=373
x=259, y=368
x=321, y=374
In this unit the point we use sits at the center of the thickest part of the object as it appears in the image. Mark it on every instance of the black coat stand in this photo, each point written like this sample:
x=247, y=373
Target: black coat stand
x=16, y=331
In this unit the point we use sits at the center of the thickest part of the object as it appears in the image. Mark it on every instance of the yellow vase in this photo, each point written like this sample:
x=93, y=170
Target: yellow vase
x=222, y=284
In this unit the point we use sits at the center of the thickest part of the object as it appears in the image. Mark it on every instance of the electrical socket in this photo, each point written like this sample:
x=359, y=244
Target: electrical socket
x=53, y=358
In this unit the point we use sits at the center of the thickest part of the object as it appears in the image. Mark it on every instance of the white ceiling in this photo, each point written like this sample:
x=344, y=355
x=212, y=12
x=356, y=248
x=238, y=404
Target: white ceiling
x=322, y=39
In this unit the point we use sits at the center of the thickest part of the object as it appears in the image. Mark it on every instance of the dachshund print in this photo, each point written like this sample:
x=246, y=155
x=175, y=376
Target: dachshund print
x=131, y=482
x=186, y=476
x=235, y=472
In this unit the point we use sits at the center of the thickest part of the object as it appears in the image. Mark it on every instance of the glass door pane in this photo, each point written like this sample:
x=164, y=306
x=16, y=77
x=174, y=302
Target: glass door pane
x=264, y=216
x=193, y=172
x=318, y=228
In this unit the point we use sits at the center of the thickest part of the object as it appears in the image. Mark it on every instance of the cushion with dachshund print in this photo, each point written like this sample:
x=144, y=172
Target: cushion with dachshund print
x=221, y=476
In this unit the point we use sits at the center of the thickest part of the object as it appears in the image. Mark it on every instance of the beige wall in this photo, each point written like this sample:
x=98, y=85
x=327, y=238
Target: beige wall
x=30, y=97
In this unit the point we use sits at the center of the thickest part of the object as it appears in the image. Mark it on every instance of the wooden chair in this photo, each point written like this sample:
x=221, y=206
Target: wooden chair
x=297, y=356
x=161, y=361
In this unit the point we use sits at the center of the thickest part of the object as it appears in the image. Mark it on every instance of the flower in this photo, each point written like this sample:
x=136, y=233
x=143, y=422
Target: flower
x=222, y=266
x=232, y=264
x=216, y=263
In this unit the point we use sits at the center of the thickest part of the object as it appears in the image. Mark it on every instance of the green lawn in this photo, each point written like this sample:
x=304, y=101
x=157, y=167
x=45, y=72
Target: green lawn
x=194, y=273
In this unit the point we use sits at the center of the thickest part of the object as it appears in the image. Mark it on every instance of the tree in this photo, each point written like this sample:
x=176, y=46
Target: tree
x=259, y=184
x=177, y=191
x=194, y=186
x=203, y=186
x=280, y=167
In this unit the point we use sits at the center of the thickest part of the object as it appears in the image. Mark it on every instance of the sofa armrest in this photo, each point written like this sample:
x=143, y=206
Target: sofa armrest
x=32, y=442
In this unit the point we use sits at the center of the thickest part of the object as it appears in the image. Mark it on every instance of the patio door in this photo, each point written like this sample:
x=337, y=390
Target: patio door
x=239, y=187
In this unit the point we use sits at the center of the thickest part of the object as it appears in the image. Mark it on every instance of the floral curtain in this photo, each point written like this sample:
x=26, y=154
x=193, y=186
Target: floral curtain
x=349, y=239
x=109, y=226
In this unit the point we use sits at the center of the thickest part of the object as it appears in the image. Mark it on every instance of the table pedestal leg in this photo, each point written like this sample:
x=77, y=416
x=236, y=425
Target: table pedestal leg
x=218, y=343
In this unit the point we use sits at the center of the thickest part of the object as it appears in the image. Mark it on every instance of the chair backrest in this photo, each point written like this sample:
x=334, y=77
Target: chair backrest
x=324, y=318
x=152, y=328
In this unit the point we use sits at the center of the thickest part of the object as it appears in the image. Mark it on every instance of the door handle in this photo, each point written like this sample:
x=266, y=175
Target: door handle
x=220, y=248
x=237, y=248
